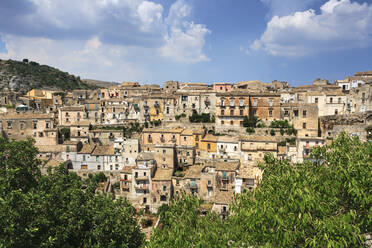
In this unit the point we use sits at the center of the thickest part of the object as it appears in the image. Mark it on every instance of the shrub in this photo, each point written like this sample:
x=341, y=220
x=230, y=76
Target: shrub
x=250, y=130
x=272, y=132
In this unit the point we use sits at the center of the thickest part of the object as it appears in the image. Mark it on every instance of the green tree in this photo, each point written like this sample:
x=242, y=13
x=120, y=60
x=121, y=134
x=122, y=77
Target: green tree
x=53, y=210
x=250, y=121
x=323, y=202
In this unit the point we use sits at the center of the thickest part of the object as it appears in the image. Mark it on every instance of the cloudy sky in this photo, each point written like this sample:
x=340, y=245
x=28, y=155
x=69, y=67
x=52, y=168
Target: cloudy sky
x=191, y=40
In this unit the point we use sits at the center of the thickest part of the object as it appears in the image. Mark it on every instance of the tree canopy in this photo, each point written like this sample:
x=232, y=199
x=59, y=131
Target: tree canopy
x=53, y=210
x=323, y=202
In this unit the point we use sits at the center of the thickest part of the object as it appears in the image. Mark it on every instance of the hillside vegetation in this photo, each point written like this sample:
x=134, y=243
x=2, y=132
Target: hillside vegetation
x=27, y=75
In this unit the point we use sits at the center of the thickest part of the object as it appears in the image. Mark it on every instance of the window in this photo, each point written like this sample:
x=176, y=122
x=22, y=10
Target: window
x=184, y=138
x=144, y=200
x=270, y=112
x=286, y=113
x=254, y=102
x=232, y=102
x=231, y=123
x=231, y=112
x=235, y=148
x=136, y=174
x=209, y=146
x=222, y=112
x=304, y=113
x=222, y=122
x=241, y=112
x=336, y=111
x=47, y=125
x=164, y=188
x=84, y=158
x=295, y=112
x=116, y=167
x=270, y=102
x=316, y=100
x=331, y=100
x=34, y=125
x=304, y=125
x=9, y=125
x=222, y=102
x=167, y=110
x=163, y=198
x=241, y=102
x=67, y=148
x=98, y=167
x=197, y=145
x=339, y=100
x=110, y=166
x=164, y=151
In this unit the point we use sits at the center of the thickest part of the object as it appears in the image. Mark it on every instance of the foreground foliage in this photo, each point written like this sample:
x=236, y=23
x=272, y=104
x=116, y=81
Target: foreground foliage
x=53, y=211
x=326, y=202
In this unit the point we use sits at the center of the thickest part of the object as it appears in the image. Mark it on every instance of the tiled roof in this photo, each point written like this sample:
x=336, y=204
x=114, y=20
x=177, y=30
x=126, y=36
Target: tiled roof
x=227, y=166
x=194, y=171
x=87, y=149
x=162, y=175
x=223, y=197
x=104, y=150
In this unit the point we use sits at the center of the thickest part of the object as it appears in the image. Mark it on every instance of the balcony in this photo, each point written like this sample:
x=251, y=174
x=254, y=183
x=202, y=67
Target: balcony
x=141, y=186
x=162, y=140
x=142, y=178
x=146, y=107
x=149, y=140
x=156, y=105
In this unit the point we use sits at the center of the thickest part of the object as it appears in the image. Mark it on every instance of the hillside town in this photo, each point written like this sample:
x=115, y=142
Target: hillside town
x=156, y=142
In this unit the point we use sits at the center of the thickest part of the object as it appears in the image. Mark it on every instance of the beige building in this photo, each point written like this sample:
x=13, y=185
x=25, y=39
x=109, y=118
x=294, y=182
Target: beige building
x=39, y=126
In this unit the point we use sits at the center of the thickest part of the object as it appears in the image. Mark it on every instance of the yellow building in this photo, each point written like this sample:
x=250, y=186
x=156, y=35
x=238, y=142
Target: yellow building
x=209, y=143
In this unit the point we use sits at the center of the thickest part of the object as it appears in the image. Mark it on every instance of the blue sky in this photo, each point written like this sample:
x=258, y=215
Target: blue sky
x=191, y=40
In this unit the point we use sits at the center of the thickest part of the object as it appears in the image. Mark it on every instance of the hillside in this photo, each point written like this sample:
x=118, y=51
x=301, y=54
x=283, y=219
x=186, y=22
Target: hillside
x=99, y=83
x=24, y=76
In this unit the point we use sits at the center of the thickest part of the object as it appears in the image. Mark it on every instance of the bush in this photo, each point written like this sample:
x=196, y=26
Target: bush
x=250, y=130
x=272, y=132
x=180, y=116
x=282, y=131
x=250, y=121
x=204, y=118
x=280, y=124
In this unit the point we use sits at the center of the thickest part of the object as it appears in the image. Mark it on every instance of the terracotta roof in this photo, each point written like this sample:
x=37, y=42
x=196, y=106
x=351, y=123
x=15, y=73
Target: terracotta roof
x=103, y=150
x=256, y=138
x=162, y=130
x=249, y=172
x=73, y=108
x=187, y=132
x=162, y=175
x=127, y=169
x=228, y=139
x=15, y=115
x=227, y=166
x=210, y=138
x=87, y=149
x=54, y=163
x=223, y=197
x=194, y=171
x=145, y=156
x=51, y=148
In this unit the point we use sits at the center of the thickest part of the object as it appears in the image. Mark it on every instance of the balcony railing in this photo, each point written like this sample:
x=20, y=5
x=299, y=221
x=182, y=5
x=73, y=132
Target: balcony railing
x=142, y=178
x=141, y=186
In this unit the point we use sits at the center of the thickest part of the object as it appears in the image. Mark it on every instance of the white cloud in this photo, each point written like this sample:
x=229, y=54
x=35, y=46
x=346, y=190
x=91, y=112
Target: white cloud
x=105, y=39
x=90, y=58
x=184, y=40
x=340, y=25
